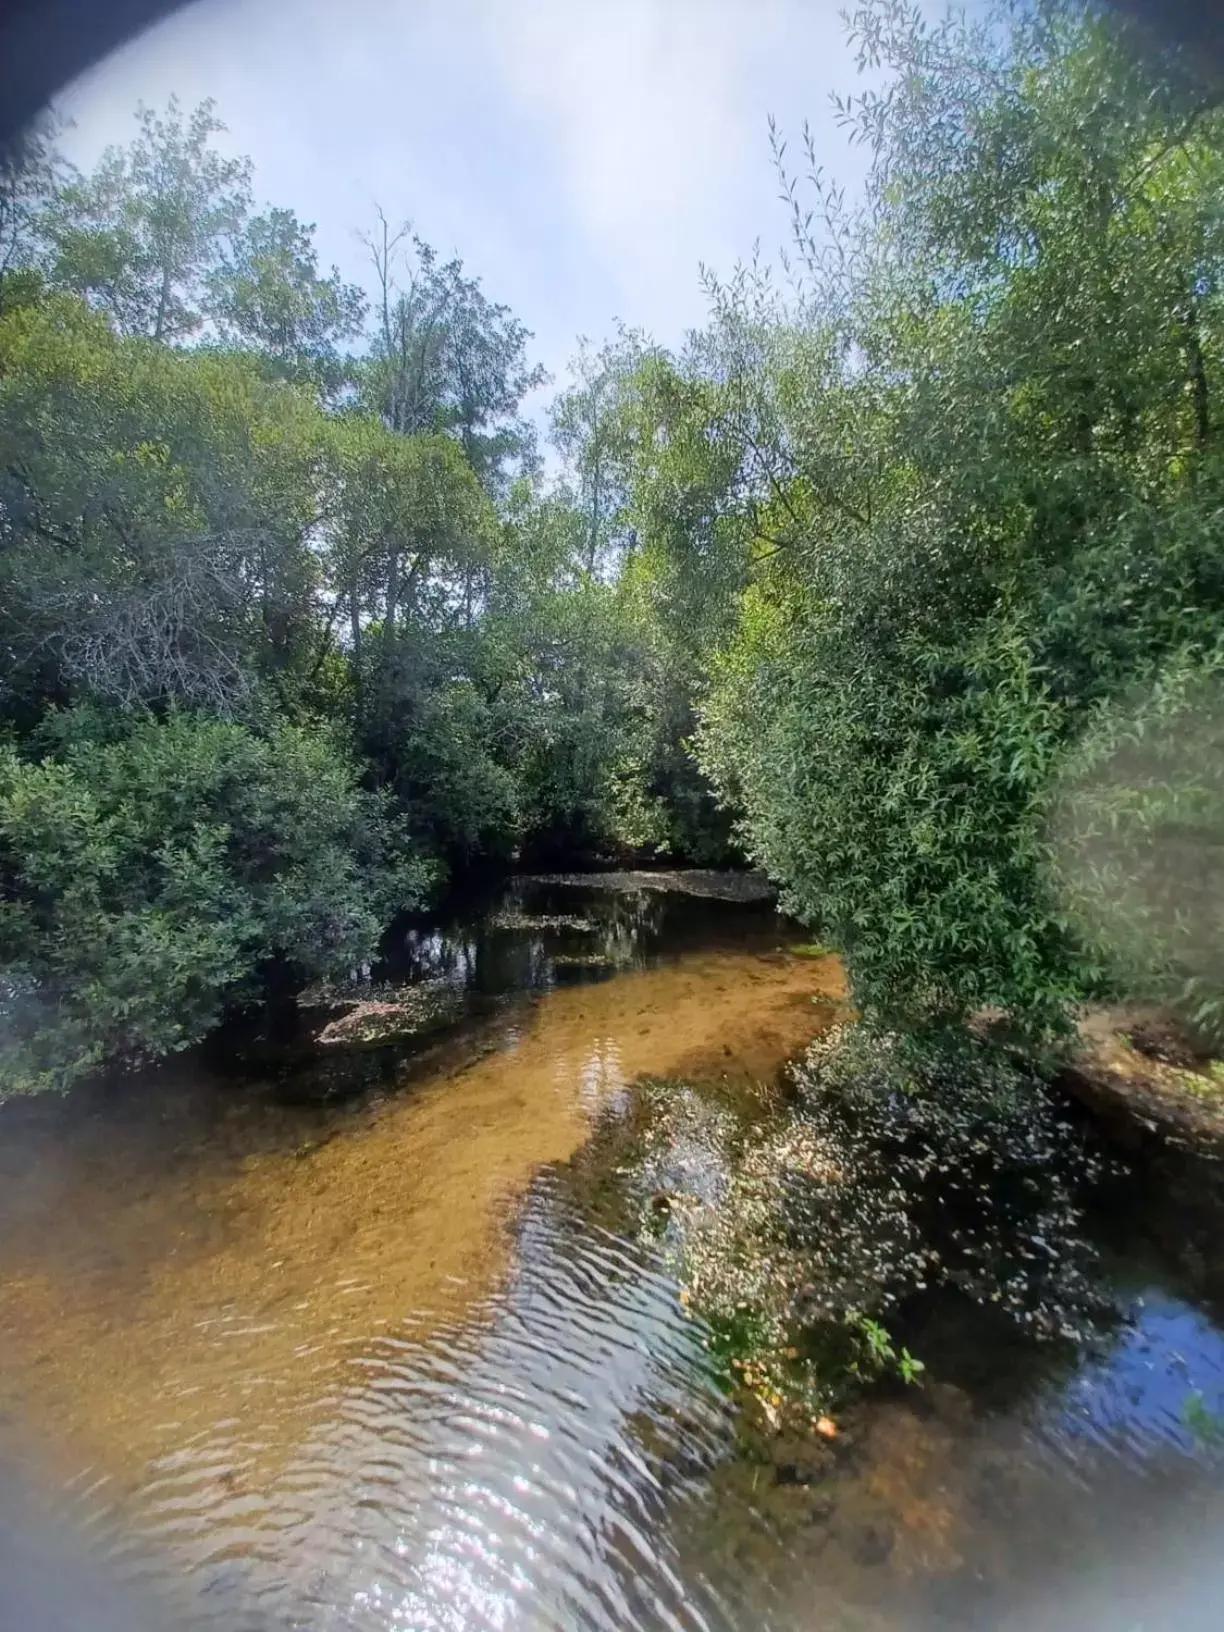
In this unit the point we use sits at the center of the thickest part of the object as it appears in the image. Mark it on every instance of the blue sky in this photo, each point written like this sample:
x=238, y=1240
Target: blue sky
x=582, y=157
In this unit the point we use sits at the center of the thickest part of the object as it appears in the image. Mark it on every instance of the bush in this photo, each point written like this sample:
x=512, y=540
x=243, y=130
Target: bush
x=439, y=747
x=899, y=795
x=149, y=875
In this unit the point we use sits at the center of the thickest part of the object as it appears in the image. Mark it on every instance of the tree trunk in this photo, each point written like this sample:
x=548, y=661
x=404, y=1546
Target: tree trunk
x=392, y=608
x=163, y=301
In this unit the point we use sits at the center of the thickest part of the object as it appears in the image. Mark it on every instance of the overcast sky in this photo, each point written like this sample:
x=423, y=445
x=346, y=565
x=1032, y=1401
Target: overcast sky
x=583, y=156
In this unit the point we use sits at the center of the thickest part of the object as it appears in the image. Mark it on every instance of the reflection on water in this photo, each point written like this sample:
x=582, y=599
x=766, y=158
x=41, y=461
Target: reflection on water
x=490, y=1477
x=408, y=1359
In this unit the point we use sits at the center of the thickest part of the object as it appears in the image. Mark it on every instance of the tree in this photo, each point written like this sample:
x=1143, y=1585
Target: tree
x=981, y=456
x=413, y=545
x=445, y=358
x=150, y=870
x=593, y=428
x=140, y=237
x=413, y=527
x=157, y=516
x=30, y=171
x=1138, y=823
x=267, y=294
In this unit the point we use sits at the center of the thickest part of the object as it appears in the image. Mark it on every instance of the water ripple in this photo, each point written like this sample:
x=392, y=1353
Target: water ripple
x=510, y=1471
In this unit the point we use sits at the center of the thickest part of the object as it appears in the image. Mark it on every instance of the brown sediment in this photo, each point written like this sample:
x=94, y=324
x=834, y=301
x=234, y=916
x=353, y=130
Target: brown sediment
x=885, y=1508
x=155, y=1290
x=907, y=1473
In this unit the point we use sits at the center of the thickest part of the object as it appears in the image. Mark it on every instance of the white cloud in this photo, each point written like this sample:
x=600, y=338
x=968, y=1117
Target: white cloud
x=656, y=114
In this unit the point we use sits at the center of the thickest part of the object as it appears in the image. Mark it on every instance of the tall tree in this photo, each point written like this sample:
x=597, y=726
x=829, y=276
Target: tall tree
x=593, y=427
x=268, y=294
x=445, y=358
x=985, y=444
x=157, y=510
x=30, y=169
x=140, y=236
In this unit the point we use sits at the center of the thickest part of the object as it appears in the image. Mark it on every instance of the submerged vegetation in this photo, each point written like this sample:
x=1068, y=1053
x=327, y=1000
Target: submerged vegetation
x=806, y=1229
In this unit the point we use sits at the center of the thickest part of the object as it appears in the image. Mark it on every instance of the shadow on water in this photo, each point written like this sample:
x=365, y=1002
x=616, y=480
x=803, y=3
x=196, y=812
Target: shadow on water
x=395, y=1340
x=491, y=952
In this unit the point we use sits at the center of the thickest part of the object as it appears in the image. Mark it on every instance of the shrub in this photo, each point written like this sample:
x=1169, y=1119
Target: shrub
x=149, y=875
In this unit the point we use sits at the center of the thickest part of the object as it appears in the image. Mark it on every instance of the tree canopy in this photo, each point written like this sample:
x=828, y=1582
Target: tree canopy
x=877, y=580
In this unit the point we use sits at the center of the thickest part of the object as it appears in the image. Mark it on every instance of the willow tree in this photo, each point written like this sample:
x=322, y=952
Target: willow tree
x=985, y=440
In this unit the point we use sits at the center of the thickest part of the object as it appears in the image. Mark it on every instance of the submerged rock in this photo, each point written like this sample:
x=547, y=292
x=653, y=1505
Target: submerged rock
x=701, y=881
x=809, y=1469
x=543, y=921
x=395, y=1014
x=869, y=1544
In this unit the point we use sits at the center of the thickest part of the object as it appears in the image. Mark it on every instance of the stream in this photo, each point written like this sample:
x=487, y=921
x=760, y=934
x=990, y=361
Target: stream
x=380, y=1337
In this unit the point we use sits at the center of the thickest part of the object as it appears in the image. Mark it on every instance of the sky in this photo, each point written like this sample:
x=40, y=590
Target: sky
x=584, y=157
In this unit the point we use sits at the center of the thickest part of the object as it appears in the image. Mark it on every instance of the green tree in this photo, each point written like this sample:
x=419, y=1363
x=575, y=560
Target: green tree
x=30, y=171
x=267, y=294
x=445, y=358
x=140, y=236
x=150, y=871
x=413, y=548
x=158, y=512
x=980, y=458
x=1138, y=836
x=593, y=426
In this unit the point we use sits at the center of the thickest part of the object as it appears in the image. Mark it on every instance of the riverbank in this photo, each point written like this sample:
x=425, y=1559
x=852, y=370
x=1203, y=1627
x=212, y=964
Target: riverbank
x=1139, y=1071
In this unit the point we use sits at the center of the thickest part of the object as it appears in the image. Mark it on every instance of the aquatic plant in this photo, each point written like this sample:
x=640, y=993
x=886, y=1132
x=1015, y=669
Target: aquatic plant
x=873, y=1185
x=1205, y=1423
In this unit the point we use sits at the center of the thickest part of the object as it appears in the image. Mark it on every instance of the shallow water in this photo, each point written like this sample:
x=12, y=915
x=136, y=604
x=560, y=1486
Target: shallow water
x=405, y=1358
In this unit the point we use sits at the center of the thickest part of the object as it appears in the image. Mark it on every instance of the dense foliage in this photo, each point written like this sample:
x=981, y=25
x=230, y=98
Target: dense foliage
x=1138, y=836
x=156, y=870
x=874, y=579
x=983, y=439
x=290, y=621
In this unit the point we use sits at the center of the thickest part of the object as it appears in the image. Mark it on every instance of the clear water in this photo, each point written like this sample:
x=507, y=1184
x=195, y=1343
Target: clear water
x=396, y=1356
